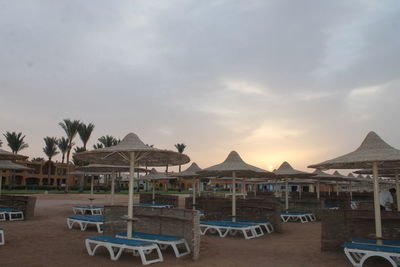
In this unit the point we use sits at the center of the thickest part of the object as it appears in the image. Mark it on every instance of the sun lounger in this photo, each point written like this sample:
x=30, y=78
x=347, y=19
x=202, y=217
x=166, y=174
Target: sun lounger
x=84, y=221
x=331, y=207
x=386, y=242
x=2, y=215
x=163, y=241
x=249, y=230
x=302, y=216
x=267, y=225
x=116, y=246
x=151, y=205
x=92, y=210
x=2, y=240
x=358, y=253
x=12, y=214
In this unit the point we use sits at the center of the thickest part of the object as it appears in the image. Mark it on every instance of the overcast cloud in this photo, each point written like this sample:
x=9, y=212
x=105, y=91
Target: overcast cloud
x=302, y=81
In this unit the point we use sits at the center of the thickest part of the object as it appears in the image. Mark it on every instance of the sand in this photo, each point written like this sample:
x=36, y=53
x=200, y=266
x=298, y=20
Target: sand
x=47, y=241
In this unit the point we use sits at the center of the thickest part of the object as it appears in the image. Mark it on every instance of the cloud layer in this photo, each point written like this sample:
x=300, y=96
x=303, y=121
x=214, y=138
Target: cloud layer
x=275, y=80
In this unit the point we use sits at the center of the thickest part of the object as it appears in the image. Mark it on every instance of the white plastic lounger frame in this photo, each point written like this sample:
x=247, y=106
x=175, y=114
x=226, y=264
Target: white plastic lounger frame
x=116, y=250
x=306, y=217
x=2, y=240
x=248, y=232
x=357, y=257
x=267, y=226
x=15, y=215
x=165, y=244
x=2, y=216
x=92, y=210
x=83, y=224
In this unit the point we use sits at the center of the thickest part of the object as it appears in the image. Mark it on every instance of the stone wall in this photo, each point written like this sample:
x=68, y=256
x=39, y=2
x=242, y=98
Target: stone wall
x=339, y=226
x=160, y=199
x=23, y=203
x=177, y=222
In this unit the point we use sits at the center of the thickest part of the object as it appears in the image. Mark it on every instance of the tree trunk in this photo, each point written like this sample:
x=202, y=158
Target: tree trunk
x=63, y=156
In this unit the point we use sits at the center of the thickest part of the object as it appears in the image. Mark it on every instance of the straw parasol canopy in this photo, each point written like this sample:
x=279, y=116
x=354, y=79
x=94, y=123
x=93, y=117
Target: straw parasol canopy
x=286, y=171
x=234, y=163
x=9, y=165
x=373, y=152
x=234, y=166
x=133, y=151
x=191, y=173
x=5, y=155
x=144, y=155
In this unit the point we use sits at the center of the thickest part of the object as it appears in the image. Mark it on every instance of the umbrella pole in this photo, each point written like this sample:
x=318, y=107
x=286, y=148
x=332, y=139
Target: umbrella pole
x=194, y=194
x=234, y=196
x=131, y=192
x=286, y=194
x=378, y=222
x=351, y=190
x=337, y=188
x=91, y=191
x=300, y=189
x=318, y=190
x=112, y=187
x=397, y=190
x=153, y=198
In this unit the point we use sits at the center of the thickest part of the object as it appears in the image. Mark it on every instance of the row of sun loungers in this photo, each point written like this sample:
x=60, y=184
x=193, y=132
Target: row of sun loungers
x=295, y=216
x=248, y=228
x=99, y=210
x=11, y=214
x=358, y=250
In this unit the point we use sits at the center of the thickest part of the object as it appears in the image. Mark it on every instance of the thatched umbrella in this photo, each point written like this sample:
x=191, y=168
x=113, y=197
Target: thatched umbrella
x=286, y=172
x=9, y=165
x=191, y=173
x=234, y=166
x=99, y=169
x=373, y=152
x=133, y=151
x=153, y=176
x=5, y=155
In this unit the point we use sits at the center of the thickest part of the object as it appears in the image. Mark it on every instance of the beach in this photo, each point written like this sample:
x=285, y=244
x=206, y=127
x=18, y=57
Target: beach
x=46, y=240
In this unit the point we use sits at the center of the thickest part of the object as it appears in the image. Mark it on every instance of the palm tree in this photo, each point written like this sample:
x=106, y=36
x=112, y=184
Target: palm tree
x=71, y=129
x=97, y=146
x=180, y=148
x=84, y=132
x=37, y=159
x=63, y=147
x=108, y=140
x=50, y=150
x=1, y=142
x=15, y=141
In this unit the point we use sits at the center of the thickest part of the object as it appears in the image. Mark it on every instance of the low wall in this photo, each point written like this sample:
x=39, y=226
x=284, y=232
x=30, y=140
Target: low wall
x=257, y=208
x=160, y=199
x=23, y=203
x=178, y=222
x=339, y=226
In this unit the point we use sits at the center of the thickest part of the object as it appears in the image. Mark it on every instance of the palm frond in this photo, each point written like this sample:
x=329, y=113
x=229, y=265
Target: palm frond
x=15, y=141
x=180, y=147
x=50, y=148
x=84, y=131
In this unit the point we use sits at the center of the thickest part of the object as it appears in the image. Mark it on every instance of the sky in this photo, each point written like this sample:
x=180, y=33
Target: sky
x=297, y=81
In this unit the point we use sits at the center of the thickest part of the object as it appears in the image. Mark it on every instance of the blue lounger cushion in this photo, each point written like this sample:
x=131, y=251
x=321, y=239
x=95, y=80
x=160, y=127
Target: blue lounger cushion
x=120, y=241
x=89, y=207
x=88, y=218
x=295, y=212
x=227, y=223
x=8, y=210
x=373, y=241
x=247, y=220
x=151, y=205
x=152, y=236
x=371, y=247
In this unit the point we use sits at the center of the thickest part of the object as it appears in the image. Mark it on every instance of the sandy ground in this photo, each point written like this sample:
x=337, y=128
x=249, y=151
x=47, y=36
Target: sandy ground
x=46, y=241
